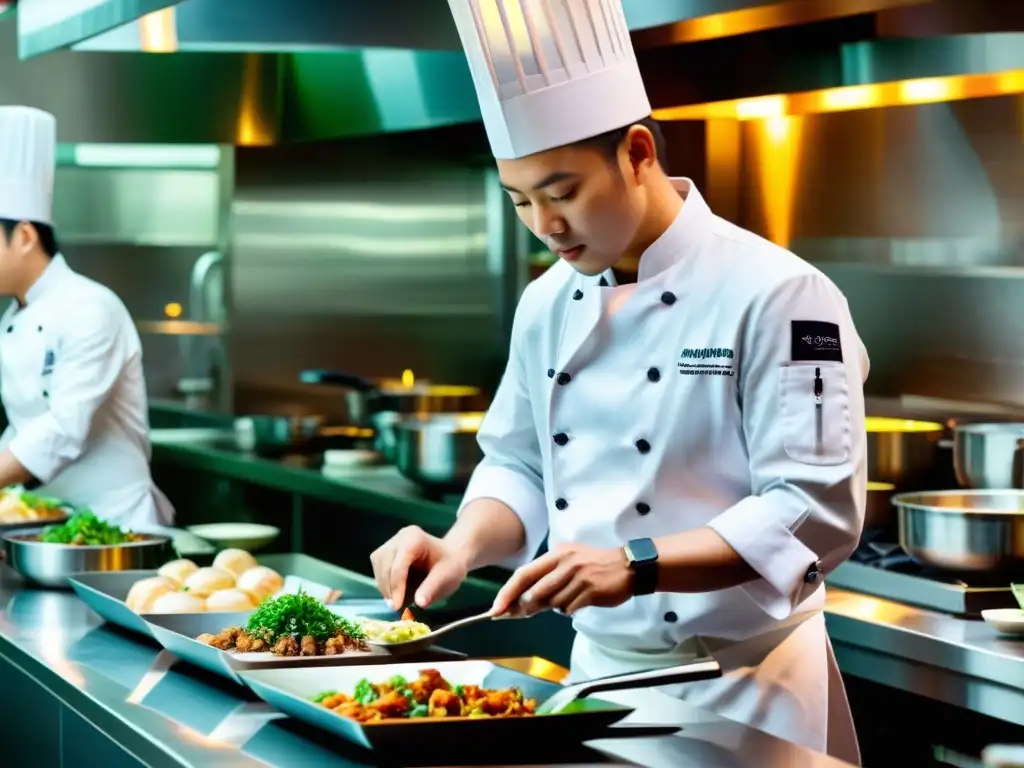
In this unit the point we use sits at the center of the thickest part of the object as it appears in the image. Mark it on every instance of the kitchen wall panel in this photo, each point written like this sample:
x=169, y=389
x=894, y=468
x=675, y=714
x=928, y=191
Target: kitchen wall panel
x=917, y=213
x=371, y=256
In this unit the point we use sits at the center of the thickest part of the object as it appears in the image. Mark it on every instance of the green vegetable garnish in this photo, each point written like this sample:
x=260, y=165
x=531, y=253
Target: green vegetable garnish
x=398, y=682
x=365, y=692
x=85, y=529
x=301, y=616
x=420, y=710
x=319, y=699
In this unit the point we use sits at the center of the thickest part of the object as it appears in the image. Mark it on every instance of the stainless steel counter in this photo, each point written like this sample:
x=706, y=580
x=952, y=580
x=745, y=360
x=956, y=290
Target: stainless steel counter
x=960, y=662
x=161, y=713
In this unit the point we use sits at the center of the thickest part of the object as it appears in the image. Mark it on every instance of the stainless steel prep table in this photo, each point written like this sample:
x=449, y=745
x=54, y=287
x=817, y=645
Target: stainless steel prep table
x=79, y=692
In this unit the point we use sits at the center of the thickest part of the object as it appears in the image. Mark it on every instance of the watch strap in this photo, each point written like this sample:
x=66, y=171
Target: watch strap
x=643, y=560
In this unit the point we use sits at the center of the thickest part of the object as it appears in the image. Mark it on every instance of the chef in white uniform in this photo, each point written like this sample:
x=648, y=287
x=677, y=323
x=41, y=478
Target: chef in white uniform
x=691, y=441
x=70, y=357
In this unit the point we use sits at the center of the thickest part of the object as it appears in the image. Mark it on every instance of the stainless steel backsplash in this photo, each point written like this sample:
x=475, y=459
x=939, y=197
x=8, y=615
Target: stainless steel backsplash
x=372, y=256
x=917, y=213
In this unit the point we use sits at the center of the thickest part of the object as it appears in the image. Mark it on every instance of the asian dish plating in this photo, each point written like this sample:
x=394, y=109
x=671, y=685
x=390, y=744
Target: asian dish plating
x=19, y=506
x=429, y=696
x=291, y=625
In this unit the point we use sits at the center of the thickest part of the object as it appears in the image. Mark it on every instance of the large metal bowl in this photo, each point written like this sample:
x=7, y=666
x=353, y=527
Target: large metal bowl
x=50, y=565
x=964, y=531
x=989, y=455
x=438, y=452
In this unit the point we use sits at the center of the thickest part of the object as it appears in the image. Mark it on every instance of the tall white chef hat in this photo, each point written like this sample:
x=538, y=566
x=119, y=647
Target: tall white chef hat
x=550, y=72
x=28, y=159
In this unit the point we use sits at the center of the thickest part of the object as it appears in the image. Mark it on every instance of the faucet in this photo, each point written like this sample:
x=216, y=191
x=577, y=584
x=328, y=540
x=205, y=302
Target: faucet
x=201, y=377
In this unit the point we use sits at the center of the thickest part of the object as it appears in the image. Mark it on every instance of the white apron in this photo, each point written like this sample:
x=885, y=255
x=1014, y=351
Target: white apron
x=785, y=683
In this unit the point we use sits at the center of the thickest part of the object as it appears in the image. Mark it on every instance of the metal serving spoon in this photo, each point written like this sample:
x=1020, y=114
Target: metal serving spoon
x=423, y=642
x=704, y=668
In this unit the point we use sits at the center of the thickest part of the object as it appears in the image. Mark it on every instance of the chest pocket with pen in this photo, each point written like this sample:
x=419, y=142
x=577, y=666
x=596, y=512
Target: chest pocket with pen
x=814, y=399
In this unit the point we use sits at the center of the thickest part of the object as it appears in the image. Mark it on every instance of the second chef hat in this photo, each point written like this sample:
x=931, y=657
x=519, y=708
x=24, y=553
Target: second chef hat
x=550, y=72
x=28, y=160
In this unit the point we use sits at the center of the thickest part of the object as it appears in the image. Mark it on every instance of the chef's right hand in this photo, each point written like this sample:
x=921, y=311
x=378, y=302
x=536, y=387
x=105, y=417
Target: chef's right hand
x=413, y=549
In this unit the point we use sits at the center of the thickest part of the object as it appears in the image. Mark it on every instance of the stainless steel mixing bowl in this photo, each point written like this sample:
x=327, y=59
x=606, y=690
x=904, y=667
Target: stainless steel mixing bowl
x=50, y=565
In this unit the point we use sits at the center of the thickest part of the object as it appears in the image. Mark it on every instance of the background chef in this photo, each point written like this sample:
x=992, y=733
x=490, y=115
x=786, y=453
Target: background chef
x=71, y=376
x=692, y=442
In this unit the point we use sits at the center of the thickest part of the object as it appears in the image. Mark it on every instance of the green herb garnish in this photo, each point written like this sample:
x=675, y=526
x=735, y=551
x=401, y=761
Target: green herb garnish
x=298, y=615
x=319, y=699
x=85, y=529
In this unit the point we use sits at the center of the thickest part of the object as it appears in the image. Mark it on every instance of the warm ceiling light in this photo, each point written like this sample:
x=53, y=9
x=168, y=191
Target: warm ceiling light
x=894, y=94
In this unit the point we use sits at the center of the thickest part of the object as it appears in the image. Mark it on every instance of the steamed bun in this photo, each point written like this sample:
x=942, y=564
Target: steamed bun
x=145, y=592
x=205, y=581
x=178, y=570
x=234, y=561
x=230, y=600
x=178, y=602
x=260, y=582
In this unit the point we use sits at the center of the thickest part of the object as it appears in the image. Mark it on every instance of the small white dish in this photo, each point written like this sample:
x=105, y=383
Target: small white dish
x=351, y=458
x=1007, y=621
x=247, y=536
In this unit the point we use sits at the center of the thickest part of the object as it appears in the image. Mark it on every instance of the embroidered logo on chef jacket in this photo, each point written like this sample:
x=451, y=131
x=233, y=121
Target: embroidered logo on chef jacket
x=48, y=360
x=706, y=361
x=815, y=341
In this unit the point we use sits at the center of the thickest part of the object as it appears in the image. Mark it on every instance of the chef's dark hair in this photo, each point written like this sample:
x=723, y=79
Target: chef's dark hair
x=608, y=143
x=47, y=238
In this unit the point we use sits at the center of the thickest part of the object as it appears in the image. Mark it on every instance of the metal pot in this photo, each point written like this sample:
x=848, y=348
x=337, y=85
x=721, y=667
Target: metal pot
x=989, y=455
x=438, y=452
x=266, y=432
x=904, y=452
x=269, y=434
x=878, y=512
x=50, y=565
x=964, y=531
x=381, y=405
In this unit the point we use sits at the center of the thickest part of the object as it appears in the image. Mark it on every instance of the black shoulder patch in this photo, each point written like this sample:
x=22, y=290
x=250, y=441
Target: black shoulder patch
x=815, y=341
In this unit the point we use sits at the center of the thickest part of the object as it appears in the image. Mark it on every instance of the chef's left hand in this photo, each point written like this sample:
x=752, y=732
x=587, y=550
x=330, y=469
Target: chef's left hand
x=569, y=577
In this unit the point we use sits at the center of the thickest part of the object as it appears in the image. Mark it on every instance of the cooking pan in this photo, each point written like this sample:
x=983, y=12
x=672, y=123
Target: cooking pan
x=380, y=405
x=439, y=451
x=989, y=455
x=967, y=531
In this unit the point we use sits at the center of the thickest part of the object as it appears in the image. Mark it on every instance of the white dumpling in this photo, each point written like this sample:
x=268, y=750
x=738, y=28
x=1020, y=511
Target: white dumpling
x=178, y=570
x=230, y=600
x=178, y=602
x=206, y=581
x=145, y=591
x=260, y=582
x=234, y=561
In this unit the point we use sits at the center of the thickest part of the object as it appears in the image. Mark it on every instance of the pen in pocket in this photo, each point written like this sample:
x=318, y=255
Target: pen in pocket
x=819, y=389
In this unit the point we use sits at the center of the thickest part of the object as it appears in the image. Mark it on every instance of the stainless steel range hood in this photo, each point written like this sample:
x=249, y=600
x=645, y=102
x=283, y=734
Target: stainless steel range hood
x=304, y=25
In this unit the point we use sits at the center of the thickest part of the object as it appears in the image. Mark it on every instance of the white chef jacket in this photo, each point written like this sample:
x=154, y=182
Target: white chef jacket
x=685, y=400
x=72, y=385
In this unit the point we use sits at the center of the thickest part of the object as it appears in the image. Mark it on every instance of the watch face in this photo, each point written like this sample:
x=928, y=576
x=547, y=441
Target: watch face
x=642, y=550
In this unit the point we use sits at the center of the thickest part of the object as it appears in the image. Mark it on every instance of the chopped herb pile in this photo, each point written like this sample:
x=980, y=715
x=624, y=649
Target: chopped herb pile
x=85, y=529
x=298, y=615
